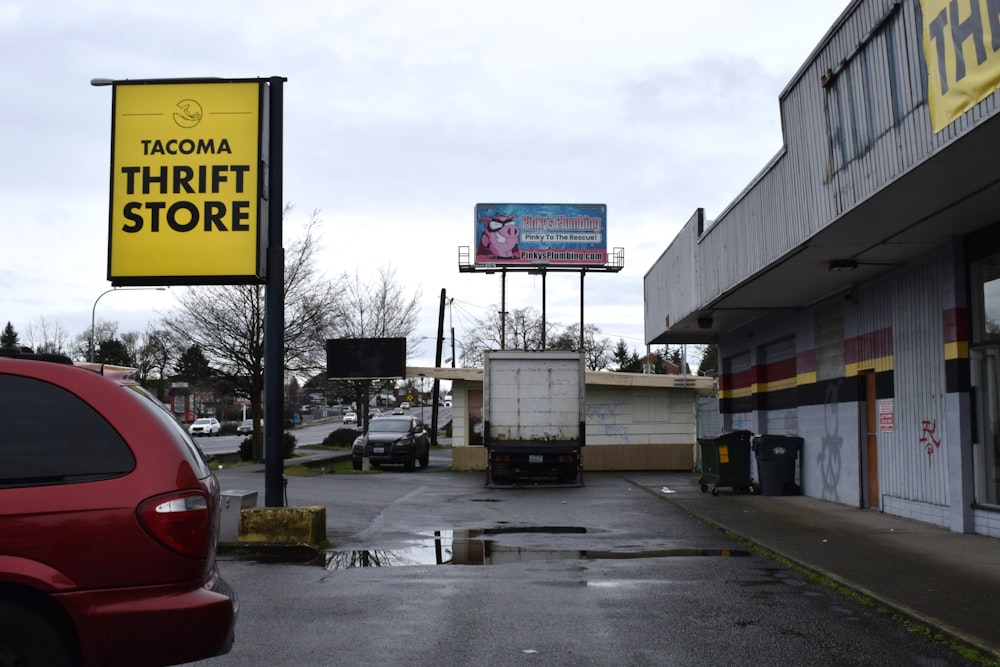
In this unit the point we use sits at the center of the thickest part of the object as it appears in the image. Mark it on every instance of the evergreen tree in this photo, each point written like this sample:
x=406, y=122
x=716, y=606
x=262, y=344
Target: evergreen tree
x=709, y=364
x=113, y=351
x=192, y=365
x=627, y=360
x=9, y=337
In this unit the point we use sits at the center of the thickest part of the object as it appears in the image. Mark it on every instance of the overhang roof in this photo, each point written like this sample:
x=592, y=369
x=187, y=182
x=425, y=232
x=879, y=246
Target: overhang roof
x=951, y=194
x=701, y=384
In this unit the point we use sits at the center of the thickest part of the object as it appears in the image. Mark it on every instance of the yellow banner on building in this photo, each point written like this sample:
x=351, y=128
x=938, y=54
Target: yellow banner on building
x=962, y=49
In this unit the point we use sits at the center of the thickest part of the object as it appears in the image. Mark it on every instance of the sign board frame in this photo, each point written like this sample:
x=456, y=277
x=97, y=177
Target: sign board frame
x=533, y=235
x=189, y=161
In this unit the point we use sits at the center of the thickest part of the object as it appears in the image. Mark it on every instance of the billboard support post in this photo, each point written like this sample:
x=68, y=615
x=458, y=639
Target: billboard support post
x=274, y=308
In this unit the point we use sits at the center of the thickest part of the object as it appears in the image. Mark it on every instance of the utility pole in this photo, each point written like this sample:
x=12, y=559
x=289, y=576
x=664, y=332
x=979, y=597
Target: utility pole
x=439, y=343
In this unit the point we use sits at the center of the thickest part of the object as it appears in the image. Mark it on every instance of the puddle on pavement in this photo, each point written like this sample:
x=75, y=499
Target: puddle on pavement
x=475, y=547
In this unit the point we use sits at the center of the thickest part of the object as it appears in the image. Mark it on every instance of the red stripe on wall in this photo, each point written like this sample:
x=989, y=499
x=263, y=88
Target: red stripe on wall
x=956, y=325
x=806, y=361
x=868, y=346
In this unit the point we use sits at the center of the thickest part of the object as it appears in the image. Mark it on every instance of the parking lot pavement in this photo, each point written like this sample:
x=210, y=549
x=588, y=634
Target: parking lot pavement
x=565, y=576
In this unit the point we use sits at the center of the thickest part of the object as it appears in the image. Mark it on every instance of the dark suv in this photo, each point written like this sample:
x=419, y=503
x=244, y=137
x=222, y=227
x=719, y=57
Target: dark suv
x=109, y=517
x=392, y=439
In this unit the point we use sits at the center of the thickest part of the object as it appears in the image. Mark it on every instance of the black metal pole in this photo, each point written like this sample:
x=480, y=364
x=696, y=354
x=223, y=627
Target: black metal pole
x=435, y=394
x=274, y=307
x=544, y=314
x=503, y=308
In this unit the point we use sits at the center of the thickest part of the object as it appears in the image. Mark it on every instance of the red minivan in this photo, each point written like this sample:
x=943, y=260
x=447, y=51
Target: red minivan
x=108, y=525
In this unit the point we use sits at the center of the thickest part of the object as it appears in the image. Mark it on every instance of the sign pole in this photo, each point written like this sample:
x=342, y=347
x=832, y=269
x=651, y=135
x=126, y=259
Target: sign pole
x=274, y=308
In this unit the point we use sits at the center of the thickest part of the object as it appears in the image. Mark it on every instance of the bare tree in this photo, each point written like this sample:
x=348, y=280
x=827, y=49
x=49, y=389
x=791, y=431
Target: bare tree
x=151, y=353
x=377, y=310
x=596, y=348
x=523, y=331
x=45, y=336
x=227, y=323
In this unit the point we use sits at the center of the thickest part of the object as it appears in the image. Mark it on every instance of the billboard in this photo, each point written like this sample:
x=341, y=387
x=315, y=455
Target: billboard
x=365, y=358
x=186, y=183
x=529, y=235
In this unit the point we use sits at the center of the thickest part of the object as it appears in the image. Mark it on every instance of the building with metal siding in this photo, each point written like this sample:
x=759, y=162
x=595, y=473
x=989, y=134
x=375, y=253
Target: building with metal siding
x=853, y=287
x=634, y=421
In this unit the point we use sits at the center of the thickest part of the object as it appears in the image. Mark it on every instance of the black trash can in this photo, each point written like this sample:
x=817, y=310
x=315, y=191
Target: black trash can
x=776, y=458
x=725, y=461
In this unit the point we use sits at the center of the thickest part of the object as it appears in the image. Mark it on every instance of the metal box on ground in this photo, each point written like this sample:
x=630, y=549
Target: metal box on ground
x=233, y=500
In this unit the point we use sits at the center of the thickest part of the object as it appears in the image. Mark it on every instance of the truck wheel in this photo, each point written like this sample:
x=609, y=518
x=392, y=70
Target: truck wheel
x=28, y=638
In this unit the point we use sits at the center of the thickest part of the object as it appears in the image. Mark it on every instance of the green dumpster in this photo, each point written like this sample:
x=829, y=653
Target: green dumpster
x=725, y=461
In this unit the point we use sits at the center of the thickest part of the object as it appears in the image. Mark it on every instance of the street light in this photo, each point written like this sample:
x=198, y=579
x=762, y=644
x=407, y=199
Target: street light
x=93, y=311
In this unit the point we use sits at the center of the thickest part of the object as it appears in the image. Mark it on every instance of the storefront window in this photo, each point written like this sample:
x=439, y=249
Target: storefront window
x=985, y=359
x=991, y=307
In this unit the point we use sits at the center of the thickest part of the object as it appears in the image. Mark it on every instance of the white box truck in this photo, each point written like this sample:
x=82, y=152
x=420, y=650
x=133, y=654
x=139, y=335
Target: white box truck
x=534, y=417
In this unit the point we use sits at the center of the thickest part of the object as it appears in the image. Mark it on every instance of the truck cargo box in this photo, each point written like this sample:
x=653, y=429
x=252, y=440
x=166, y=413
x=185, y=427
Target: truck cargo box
x=534, y=417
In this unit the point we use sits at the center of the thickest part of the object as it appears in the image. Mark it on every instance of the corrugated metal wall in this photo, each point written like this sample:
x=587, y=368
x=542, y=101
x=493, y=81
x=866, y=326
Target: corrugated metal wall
x=855, y=118
x=876, y=103
x=733, y=365
x=671, y=288
x=779, y=420
x=911, y=465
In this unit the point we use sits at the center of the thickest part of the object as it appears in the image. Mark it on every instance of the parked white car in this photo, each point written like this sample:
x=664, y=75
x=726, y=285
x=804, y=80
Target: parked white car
x=205, y=426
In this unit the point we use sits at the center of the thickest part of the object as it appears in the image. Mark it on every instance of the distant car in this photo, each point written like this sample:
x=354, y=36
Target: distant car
x=109, y=516
x=389, y=440
x=350, y=418
x=398, y=410
x=205, y=426
x=404, y=405
x=246, y=426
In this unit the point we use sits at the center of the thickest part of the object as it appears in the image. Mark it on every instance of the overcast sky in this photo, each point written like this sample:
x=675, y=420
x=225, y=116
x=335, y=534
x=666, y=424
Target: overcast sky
x=399, y=118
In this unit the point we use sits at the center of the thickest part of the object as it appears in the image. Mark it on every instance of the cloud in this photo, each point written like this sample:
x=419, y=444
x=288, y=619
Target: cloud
x=399, y=118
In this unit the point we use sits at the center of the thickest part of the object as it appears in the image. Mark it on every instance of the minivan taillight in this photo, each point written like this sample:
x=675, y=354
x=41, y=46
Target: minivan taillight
x=179, y=521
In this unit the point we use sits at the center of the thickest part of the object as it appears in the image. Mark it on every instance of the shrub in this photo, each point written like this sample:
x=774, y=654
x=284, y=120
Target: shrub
x=246, y=447
x=341, y=437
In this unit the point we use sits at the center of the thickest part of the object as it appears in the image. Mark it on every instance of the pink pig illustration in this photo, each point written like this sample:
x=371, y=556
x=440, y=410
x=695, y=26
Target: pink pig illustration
x=500, y=237
x=503, y=242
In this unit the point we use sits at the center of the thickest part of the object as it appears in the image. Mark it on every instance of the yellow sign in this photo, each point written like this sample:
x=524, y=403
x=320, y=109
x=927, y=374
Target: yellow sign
x=963, y=63
x=185, y=183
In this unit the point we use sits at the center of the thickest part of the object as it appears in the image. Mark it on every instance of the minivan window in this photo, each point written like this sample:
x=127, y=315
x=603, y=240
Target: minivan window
x=192, y=452
x=50, y=436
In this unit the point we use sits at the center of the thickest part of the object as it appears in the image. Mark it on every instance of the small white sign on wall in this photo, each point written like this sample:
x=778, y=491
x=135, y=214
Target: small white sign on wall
x=885, y=415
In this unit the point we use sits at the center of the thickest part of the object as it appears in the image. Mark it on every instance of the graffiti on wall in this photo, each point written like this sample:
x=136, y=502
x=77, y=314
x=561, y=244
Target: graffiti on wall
x=828, y=458
x=605, y=418
x=930, y=439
